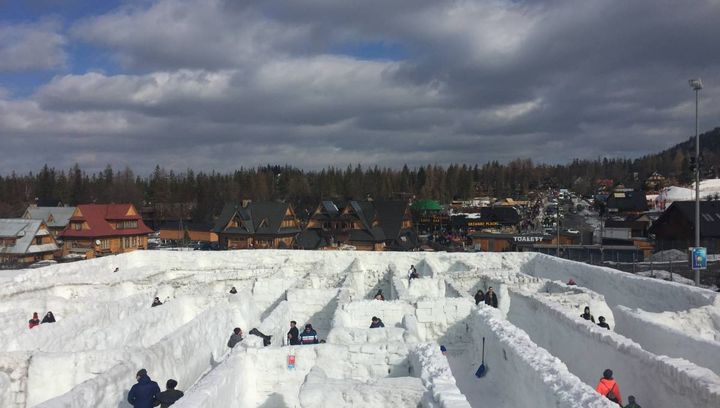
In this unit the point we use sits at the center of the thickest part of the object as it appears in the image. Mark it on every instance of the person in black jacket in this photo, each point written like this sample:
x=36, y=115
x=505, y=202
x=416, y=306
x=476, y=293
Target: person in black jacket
x=491, y=298
x=293, y=334
x=48, y=318
x=143, y=394
x=170, y=395
x=376, y=323
x=479, y=297
x=233, y=291
x=587, y=316
x=235, y=338
x=156, y=302
x=602, y=322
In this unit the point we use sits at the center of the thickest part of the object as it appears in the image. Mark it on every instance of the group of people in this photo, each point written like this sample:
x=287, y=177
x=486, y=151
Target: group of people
x=490, y=298
x=308, y=336
x=609, y=388
x=146, y=393
x=588, y=316
x=35, y=320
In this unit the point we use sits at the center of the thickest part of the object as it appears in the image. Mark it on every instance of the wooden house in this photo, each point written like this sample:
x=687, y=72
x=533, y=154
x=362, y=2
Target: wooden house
x=361, y=225
x=675, y=228
x=102, y=229
x=56, y=218
x=257, y=225
x=24, y=241
x=191, y=231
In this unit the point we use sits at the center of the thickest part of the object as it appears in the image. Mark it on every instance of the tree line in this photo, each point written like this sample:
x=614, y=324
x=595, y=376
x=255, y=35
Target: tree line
x=201, y=195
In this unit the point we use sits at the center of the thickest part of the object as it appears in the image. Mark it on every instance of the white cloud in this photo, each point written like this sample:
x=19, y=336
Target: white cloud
x=25, y=47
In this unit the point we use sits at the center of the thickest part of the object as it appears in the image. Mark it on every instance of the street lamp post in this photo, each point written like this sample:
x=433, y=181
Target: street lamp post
x=696, y=85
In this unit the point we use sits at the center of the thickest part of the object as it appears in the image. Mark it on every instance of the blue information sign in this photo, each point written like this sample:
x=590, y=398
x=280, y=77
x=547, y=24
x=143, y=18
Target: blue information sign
x=698, y=257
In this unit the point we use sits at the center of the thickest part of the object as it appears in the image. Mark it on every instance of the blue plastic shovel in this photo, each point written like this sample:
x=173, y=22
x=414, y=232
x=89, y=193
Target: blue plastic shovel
x=482, y=370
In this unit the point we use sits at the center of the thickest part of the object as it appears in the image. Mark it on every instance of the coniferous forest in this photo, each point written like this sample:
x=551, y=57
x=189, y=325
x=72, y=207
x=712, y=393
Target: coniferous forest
x=207, y=192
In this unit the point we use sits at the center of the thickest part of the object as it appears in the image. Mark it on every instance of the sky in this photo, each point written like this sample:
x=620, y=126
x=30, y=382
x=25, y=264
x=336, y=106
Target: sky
x=224, y=84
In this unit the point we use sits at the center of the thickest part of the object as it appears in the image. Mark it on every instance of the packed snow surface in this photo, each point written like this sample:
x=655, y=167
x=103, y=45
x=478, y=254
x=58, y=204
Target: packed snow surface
x=536, y=349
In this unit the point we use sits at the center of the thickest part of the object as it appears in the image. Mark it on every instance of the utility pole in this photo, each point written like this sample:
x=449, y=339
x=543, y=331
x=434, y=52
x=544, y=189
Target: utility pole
x=696, y=85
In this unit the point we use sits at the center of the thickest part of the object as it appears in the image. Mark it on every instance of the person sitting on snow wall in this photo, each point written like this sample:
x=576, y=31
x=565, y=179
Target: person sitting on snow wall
x=586, y=314
x=376, y=323
x=412, y=273
x=235, y=338
x=266, y=339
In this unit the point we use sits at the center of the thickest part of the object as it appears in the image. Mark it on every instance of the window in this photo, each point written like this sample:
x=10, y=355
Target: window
x=127, y=224
x=38, y=240
x=288, y=223
x=77, y=226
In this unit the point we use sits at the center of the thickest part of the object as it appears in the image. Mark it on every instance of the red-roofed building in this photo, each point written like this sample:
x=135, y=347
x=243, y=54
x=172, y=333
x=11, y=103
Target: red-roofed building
x=103, y=229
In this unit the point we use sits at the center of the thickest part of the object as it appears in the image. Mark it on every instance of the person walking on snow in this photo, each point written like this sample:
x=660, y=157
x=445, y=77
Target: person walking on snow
x=632, y=403
x=170, y=395
x=143, y=394
x=491, y=298
x=586, y=314
x=156, y=302
x=479, y=297
x=309, y=335
x=412, y=273
x=48, y=318
x=235, y=338
x=376, y=323
x=293, y=334
x=603, y=323
x=609, y=388
x=35, y=321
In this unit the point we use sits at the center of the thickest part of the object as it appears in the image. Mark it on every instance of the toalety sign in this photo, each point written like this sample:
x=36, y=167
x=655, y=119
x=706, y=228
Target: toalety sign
x=526, y=238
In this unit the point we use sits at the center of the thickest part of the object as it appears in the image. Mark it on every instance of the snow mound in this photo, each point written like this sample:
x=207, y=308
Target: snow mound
x=537, y=350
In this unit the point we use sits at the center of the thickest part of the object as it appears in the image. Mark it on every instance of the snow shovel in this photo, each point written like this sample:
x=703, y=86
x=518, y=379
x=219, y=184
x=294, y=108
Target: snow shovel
x=482, y=370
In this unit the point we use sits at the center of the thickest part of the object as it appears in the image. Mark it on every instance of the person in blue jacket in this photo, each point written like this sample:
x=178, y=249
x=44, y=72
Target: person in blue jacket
x=143, y=394
x=309, y=335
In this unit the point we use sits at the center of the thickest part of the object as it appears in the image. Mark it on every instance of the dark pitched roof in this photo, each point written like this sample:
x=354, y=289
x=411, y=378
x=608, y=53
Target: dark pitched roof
x=626, y=201
x=311, y=239
x=709, y=216
x=391, y=215
x=257, y=218
x=502, y=214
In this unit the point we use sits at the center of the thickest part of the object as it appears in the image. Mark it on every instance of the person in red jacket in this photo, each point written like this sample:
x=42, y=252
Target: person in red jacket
x=35, y=321
x=609, y=388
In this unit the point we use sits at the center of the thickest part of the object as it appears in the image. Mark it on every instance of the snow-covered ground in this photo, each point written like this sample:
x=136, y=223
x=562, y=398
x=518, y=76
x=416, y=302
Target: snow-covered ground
x=537, y=350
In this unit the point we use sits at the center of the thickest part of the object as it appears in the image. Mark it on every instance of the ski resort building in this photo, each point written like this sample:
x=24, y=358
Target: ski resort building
x=56, y=218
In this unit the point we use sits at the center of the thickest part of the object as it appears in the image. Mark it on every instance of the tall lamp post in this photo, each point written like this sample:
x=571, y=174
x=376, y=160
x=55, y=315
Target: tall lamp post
x=696, y=85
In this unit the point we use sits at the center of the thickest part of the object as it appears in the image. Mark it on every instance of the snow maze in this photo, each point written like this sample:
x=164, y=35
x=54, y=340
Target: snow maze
x=664, y=346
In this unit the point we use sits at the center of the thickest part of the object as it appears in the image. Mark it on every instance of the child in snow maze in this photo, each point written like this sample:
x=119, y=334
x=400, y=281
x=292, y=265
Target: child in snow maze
x=49, y=318
x=309, y=335
x=170, y=395
x=586, y=314
x=609, y=388
x=35, y=321
x=632, y=403
x=235, y=338
x=603, y=323
x=376, y=323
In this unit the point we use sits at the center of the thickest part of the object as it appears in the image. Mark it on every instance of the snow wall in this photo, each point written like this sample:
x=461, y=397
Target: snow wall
x=184, y=355
x=432, y=366
x=516, y=363
x=664, y=340
x=588, y=349
x=620, y=288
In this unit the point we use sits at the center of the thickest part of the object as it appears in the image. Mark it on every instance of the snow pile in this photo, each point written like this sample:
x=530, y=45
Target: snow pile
x=539, y=352
x=669, y=255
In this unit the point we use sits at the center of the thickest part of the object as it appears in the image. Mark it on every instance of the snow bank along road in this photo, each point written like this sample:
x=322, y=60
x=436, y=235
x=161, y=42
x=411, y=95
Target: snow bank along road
x=663, y=346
